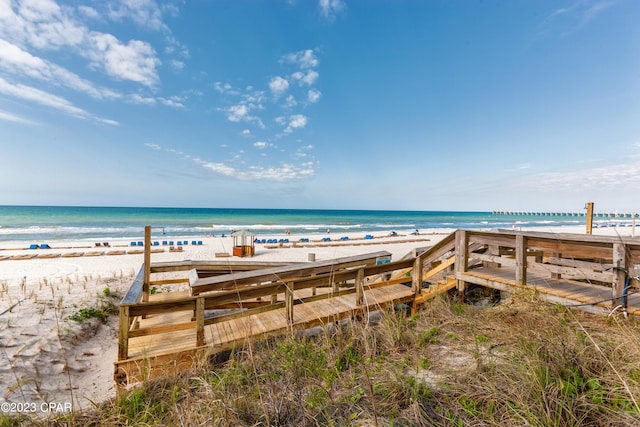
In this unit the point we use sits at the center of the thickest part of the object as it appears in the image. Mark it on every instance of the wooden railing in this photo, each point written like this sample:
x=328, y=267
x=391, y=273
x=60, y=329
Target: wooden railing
x=597, y=260
x=252, y=298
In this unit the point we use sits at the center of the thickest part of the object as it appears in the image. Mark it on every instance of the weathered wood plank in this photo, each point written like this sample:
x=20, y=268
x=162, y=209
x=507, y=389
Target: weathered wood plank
x=285, y=272
x=135, y=290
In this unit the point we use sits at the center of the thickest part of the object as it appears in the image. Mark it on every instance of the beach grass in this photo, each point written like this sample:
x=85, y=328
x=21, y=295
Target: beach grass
x=523, y=362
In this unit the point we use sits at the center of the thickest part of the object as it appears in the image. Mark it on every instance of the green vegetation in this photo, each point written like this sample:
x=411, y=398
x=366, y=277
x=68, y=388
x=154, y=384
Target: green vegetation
x=521, y=363
x=105, y=308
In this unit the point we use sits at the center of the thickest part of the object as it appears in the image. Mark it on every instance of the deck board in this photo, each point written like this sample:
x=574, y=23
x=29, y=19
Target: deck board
x=562, y=288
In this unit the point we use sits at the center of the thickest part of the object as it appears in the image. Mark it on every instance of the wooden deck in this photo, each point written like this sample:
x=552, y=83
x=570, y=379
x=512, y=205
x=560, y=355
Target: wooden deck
x=230, y=304
x=587, y=297
x=226, y=334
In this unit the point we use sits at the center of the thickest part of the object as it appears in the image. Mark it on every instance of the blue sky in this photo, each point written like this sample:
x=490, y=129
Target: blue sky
x=431, y=105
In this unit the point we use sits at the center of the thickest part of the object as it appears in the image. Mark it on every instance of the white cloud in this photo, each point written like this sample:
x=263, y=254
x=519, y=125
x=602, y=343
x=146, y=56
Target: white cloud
x=613, y=177
x=176, y=65
x=145, y=13
x=139, y=99
x=283, y=172
x=304, y=59
x=135, y=61
x=89, y=12
x=290, y=101
x=217, y=167
x=222, y=87
x=308, y=78
x=296, y=121
x=237, y=113
x=174, y=102
x=278, y=86
x=313, y=96
x=46, y=26
x=18, y=61
x=15, y=119
x=330, y=8
x=241, y=113
x=576, y=15
x=245, y=132
x=40, y=97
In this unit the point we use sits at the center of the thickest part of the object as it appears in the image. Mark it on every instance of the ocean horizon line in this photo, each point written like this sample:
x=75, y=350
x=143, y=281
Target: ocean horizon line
x=244, y=208
x=28, y=222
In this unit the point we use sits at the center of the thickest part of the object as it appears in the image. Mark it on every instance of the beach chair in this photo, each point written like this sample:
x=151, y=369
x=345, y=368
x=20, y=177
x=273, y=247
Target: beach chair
x=134, y=244
x=199, y=242
x=344, y=238
x=98, y=244
x=45, y=246
x=106, y=244
x=193, y=242
x=170, y=242
x=156, y=243
x=164, y=243
x=34, y=246
x=140, y=244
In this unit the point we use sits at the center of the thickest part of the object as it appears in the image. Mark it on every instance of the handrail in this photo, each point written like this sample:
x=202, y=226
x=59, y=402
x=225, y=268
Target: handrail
x=603, y=260
x=133, y=308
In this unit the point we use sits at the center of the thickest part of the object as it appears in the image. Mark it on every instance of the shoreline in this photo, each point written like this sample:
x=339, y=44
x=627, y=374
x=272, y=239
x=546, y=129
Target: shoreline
x=45, y=350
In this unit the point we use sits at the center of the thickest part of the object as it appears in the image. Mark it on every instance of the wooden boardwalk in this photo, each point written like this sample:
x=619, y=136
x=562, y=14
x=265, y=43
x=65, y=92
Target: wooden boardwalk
x=229, y=304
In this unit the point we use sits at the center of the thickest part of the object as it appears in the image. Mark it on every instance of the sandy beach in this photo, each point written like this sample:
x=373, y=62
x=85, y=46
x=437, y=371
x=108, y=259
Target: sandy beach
x=49, y=357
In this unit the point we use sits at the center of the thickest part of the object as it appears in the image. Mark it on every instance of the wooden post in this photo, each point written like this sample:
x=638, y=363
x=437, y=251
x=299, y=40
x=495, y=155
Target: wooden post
x=462, y=258
x=493, y=250
x=335, y=285
x=123, y=333
x=556, y=275
x=619, y=272
x=360, y=287
x=416, y=277
x=200, y=321
x=288, y=302
x=521, y=259
x=589, y=217
x=147, y=263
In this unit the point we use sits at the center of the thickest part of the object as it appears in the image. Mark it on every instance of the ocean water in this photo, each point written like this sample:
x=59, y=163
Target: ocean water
x=45, y=223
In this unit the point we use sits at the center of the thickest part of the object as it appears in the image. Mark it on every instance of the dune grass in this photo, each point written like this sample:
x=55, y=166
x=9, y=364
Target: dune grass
x=521, y=363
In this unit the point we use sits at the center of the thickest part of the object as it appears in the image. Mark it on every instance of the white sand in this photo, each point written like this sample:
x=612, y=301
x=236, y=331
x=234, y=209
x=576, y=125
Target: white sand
x=47, y=357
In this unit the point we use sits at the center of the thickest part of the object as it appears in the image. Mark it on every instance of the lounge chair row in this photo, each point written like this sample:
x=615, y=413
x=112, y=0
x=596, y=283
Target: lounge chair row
x=170, y=243
x=271, y=241
x=40, y=246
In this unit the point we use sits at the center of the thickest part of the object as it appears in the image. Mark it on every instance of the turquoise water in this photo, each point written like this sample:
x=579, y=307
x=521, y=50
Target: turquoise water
x=27, y=223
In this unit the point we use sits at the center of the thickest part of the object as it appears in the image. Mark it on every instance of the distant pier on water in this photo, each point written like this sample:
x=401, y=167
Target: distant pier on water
x=567, y=213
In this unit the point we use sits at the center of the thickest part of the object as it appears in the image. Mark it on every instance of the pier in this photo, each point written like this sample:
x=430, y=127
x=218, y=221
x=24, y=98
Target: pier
x=224, y=305
x=621, y=215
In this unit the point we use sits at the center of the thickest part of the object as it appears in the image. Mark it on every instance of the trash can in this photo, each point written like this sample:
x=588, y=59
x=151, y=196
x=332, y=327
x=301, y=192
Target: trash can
x=312, y=257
